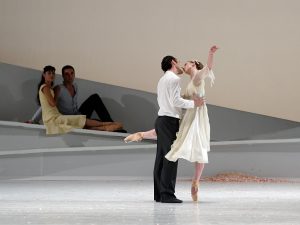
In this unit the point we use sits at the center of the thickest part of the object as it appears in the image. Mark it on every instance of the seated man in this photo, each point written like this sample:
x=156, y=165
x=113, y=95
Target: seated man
x=66, y=95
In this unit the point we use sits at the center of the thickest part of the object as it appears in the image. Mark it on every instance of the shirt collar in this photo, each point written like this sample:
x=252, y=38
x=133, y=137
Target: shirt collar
x=169, y=72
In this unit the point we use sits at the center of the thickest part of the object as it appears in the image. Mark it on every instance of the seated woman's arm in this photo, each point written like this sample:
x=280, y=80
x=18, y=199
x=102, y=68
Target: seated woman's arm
x=210, y=59
x=47, y=92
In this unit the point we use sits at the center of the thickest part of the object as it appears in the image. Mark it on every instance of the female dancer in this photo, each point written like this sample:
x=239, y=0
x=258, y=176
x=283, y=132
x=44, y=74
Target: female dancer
x=54, y=121
x=193, y=138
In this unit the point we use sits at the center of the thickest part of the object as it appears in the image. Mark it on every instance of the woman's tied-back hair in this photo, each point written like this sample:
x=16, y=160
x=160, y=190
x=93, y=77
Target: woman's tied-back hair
x=46, y=69
x=198, y=64
x=166, y=62
x=49, y=68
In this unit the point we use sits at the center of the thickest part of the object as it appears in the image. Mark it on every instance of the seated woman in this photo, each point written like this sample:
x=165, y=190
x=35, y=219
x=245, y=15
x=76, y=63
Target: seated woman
x=54, y=121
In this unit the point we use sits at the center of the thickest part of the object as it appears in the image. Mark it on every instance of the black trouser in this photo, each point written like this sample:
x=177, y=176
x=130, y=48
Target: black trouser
x=165, y=171
x=94, y=103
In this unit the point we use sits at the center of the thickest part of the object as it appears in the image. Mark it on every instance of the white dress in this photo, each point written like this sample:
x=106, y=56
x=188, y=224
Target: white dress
x=193, y=138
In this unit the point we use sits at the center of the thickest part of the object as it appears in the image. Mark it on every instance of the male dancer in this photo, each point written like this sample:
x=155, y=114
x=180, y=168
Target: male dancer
x=166, y=126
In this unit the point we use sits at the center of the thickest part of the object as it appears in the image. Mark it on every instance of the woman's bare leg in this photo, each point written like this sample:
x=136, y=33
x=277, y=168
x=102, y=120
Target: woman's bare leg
x=195, y=182
x=198, y=171
x=150, y=134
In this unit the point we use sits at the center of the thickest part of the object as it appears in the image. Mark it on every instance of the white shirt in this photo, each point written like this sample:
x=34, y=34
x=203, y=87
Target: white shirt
x=168, y=96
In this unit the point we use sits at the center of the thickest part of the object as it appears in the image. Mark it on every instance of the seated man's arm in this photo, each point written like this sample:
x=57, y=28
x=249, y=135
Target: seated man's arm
x=37, y=116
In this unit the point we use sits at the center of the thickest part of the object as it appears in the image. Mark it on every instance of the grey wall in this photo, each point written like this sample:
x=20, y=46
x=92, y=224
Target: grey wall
x=228, y=124
x=26, y=152
x=137, y=110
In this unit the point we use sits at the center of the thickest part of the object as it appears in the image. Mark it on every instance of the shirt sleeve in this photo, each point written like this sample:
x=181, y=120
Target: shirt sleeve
x=76, y=108
x=37, y=115
x=176, y=99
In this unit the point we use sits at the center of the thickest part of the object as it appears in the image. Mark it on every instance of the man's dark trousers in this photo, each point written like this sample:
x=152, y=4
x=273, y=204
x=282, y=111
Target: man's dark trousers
x=165, y=171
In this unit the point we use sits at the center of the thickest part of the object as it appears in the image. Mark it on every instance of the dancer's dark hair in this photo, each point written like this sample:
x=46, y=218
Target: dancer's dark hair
x=46, y=69
x=198, y=64
x=166, y=62
x=66, y=67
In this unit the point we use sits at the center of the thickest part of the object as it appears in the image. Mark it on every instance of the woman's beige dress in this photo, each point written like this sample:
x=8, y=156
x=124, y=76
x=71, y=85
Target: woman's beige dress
x=54, y=121
x=193, y=138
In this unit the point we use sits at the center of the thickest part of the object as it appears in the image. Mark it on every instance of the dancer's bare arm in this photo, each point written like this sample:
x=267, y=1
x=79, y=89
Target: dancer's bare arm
x=47, y=93
x=203, y=73
x=211, y=53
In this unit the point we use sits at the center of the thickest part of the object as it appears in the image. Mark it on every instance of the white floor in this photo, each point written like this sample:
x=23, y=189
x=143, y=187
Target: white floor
x=130, y=202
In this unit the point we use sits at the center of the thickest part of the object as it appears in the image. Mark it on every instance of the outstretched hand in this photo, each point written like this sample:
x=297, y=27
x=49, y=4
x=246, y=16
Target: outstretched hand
x=213, y=49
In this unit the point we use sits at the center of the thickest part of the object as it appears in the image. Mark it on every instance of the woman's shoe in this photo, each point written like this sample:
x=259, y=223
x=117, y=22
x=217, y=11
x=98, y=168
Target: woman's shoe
x=134, y=137
x=194, y=190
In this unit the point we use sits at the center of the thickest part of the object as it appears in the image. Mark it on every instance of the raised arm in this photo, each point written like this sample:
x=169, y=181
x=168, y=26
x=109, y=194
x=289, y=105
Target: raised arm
x=206, y=71
x=211, y=53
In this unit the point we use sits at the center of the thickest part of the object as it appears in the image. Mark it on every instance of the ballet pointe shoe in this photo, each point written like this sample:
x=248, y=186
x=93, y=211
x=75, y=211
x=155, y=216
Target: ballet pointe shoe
x=134, y=137
x=194, y=190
